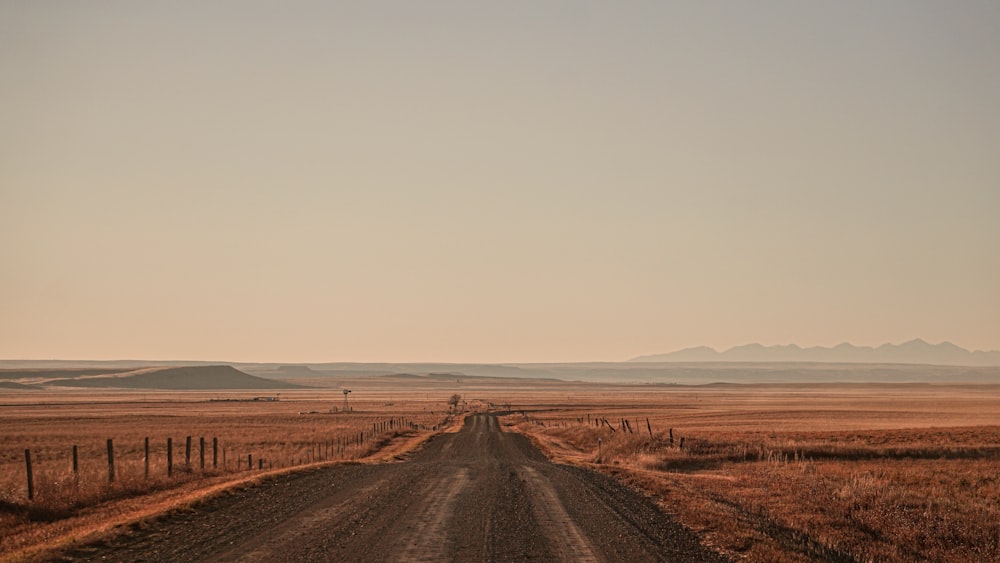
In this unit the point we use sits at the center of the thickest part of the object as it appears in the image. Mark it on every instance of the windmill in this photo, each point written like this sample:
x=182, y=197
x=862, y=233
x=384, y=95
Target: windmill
x=346, y=408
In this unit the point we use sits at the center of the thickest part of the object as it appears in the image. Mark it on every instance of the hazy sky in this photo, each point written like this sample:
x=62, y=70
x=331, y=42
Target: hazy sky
x=502, y=181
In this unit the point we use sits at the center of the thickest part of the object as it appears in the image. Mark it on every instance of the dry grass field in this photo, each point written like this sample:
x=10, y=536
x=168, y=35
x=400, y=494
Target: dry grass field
x=796, y=473
x=760, y=472
x=295, y=431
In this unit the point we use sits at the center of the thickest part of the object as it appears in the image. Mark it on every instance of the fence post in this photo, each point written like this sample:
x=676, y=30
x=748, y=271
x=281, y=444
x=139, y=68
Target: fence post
x=249, y=462
x=648, y=427
x=215, y=453
x=76, y=466
x=111, y=461
x=146, y=458
x=170, y=457
x=187, y=453
x=201, y=452
x=31, y=479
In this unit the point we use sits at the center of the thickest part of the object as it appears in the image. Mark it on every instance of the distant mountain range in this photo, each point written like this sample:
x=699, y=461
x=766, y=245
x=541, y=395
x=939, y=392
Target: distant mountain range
x=698, y=366
x=912, y=352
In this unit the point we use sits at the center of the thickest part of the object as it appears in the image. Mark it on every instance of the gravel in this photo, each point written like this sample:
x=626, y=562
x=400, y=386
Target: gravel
x=476, y=495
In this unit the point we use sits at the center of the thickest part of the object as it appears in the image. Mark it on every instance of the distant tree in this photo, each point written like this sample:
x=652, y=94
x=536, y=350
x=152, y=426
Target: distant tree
x=454, y=401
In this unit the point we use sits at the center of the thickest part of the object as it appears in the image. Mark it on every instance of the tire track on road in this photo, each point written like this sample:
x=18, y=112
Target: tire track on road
x=427, y=540
x=554, y=521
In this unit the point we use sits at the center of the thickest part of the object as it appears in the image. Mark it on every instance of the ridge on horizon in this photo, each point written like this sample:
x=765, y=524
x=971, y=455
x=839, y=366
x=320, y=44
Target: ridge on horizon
x=916, y=351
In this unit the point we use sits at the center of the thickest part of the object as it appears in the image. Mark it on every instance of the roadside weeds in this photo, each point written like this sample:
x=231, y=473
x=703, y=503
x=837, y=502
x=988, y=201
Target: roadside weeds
x=886, y=496
x=41, y=541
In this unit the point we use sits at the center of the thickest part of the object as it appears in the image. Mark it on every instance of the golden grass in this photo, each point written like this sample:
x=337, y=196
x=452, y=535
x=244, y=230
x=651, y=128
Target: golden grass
x=767, y=473
x=864, y=473
x=278, y=435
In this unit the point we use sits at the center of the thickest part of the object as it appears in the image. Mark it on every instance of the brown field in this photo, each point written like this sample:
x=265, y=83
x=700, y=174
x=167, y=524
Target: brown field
x=798, y=473
x=298, y=430
x=766, y=472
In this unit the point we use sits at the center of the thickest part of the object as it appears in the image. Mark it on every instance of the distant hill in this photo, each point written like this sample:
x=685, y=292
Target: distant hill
x=13, y=385
x=912, y=352
x=697, y=366
x=35, y=373
x=174, y=378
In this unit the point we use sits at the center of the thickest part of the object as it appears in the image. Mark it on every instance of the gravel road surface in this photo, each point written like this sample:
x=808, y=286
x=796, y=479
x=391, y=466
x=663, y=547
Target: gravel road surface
x=476, y=495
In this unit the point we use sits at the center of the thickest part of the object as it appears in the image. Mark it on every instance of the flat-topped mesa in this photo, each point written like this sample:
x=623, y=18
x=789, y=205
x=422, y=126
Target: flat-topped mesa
x=174, y=378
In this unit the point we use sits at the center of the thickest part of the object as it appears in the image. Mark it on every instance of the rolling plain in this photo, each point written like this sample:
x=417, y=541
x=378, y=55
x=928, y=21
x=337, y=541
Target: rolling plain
x=759, y=472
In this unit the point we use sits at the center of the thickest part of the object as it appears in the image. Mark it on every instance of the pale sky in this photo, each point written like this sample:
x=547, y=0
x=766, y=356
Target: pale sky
x=495, y=181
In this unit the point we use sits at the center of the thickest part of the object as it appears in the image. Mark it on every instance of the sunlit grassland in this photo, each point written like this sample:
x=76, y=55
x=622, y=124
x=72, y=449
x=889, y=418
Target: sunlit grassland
x=254, y=438
x=785, y=473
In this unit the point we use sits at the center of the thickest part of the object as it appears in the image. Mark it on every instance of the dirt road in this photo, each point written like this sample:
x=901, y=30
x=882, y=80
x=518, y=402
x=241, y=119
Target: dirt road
x=476, y=495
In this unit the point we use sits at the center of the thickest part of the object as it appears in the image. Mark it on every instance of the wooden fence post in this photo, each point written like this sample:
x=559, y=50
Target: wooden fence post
x=76, y=466
x=648, y=427
x=111, y=461
x=170, y=457
x=201, y=452
x=608, y=424
x=249, y=462
x=31, y=479
x=215, y=453
x=146, y=458
x=187, y=453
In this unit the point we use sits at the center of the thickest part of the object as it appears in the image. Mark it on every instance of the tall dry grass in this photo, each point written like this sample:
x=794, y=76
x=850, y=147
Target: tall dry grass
x=275, y=435
x=790, y=495
x=242, y=446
